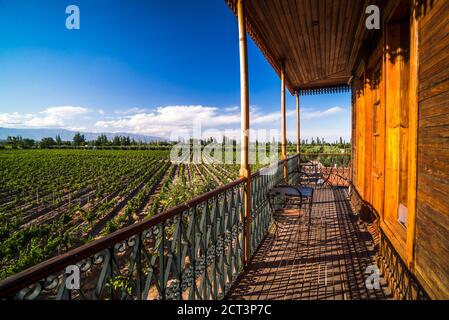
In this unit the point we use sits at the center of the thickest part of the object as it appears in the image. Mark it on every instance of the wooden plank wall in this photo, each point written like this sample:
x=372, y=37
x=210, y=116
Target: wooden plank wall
x=432, y=216
x=424, y=244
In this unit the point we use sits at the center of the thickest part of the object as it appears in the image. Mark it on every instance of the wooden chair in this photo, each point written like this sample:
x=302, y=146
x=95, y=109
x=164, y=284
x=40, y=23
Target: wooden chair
x=306, y=194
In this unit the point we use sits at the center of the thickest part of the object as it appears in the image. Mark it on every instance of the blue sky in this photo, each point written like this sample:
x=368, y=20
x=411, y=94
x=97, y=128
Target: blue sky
x=141, y=66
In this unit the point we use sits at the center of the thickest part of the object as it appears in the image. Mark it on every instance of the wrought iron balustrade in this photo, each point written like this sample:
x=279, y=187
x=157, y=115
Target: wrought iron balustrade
x=193, y=251
x=335, y=168
x=261, y=183
x=402, y=282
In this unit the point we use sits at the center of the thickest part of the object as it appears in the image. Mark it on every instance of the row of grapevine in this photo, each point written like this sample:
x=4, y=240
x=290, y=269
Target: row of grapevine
x=54, y=200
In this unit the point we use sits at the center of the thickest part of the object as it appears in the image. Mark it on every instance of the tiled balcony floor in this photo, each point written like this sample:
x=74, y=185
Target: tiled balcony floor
x=330, y=264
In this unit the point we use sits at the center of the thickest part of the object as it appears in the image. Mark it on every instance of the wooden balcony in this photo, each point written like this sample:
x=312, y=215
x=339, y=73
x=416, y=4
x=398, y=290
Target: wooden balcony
x=330, y=264
x=196, y=251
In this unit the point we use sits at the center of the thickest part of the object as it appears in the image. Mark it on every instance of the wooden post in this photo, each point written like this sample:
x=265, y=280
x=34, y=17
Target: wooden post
x=298, y=125
x=245, y=171
x=283, y=124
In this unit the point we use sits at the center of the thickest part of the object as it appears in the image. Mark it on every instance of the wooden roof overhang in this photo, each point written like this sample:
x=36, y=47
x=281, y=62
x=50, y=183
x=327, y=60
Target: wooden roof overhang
x=318, y=41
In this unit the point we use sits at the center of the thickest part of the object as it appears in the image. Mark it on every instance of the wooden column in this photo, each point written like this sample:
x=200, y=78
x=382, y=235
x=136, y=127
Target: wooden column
x=245, y=171
x=298, y=125
x=283, y=124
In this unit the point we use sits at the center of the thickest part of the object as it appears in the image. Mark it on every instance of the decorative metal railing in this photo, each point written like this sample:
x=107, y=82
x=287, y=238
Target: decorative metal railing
x=261, y=183
x=334, y=168
x=402, y=282
x=193, y=251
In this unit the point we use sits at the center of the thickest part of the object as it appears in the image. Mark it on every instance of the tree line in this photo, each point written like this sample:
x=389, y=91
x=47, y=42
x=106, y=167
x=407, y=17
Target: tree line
x=78, y=140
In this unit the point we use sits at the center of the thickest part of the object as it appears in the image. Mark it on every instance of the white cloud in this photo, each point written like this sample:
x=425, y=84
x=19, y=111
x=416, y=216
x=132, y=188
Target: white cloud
x=307, y=114
x=49, y=117
x=131, y=111
x=14, y=118
x=42, y=122
x=65, y=112
x=164, y=120
x=76, y=128
x=257, y=118
x=232, y=109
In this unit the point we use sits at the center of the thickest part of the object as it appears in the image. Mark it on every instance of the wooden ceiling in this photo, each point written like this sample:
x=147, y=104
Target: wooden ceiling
x=318, y=40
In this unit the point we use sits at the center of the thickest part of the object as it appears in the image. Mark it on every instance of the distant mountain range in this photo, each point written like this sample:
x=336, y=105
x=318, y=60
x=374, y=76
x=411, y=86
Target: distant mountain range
x=67, y=135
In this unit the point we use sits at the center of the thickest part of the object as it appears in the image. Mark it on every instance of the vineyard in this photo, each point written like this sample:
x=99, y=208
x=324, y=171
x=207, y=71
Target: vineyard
x=55, y=200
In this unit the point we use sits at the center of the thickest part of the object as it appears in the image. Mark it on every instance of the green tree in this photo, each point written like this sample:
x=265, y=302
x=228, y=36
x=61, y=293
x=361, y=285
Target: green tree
x=47, y=142
x=13, y=141
x=58, y=140
x=102, y=140
x=27, y=143
x=78, y=139
x=116, y=141
x=19, y=142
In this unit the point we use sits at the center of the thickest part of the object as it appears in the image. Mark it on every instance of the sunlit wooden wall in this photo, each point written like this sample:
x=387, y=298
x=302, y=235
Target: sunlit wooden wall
x=432, y=216
x=401, y=137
